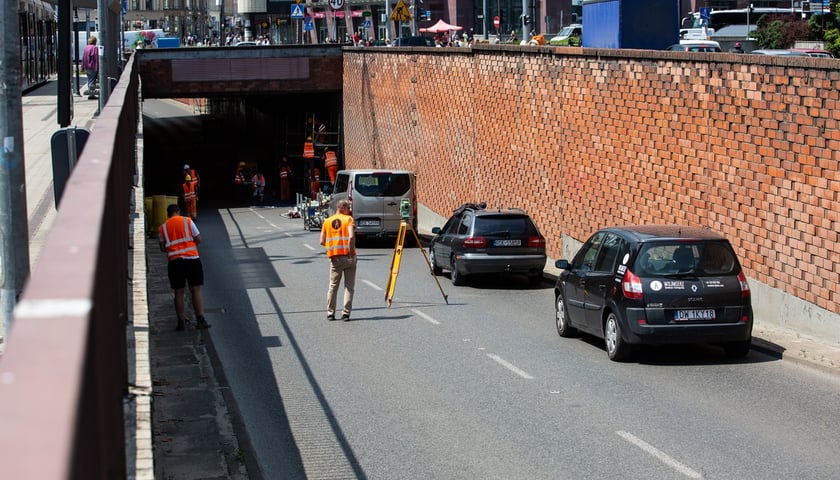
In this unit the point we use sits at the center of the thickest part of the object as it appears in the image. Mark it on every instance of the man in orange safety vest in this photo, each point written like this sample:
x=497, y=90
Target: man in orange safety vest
x=338, y=236
x=285, y=181
x=190, y=197
x=331, y=164
x=179, y=238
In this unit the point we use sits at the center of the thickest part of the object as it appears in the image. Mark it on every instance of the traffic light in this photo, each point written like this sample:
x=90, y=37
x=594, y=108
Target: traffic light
x=526, y=19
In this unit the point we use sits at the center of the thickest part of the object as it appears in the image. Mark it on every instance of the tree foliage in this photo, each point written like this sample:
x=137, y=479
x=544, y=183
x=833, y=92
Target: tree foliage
x=782, y=31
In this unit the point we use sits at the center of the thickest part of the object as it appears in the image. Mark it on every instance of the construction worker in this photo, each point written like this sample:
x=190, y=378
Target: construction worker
x=190, y=197
x=314, y=182
x=193, y=175
x=285, y=180
x=308, y=149
x=331, y=164
x=258, y=182
x=239, y=178
x=338, y=236
x=316, y=129
x=179, y=238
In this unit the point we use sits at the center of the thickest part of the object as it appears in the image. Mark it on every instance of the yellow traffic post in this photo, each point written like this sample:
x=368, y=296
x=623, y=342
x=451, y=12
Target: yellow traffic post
x=405, y=214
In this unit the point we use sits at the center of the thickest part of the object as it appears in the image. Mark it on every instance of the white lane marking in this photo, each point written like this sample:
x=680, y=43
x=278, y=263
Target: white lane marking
x=309, y=246
x=288, y=234
x=424, y=316
x=662, y=456
x=372, y=285
x=510, y=366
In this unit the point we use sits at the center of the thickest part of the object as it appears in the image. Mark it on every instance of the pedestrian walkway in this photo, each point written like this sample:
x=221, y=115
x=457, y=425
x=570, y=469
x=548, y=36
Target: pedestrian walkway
x=182, y=417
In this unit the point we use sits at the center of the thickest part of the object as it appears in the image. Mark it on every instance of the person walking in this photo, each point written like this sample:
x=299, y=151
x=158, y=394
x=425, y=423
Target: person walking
x=258, y=182
x=90, y=64
x=179, y=238
x=193, y=175
x=338, y=236
x=736, y=48
x=190, y=198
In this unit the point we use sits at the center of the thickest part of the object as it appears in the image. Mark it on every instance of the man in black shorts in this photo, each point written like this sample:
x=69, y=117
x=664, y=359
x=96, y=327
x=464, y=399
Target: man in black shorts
x=179, y=238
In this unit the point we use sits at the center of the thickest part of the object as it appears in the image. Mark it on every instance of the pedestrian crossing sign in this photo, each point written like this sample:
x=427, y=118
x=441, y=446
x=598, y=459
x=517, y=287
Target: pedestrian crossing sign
x=297, y=10
x=400, y=13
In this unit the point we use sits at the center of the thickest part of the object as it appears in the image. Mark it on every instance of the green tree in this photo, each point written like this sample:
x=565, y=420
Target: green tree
x=828, y=28
x=782, y=31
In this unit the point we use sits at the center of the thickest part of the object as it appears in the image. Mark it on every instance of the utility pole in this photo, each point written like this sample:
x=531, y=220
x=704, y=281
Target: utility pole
x=14, y=228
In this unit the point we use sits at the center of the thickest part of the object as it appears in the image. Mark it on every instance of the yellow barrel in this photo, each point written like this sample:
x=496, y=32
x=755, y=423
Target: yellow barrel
x=159, y=204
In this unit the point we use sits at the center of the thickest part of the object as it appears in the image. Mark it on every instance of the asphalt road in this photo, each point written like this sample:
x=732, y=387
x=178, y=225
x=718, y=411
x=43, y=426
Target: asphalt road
x=482, y=387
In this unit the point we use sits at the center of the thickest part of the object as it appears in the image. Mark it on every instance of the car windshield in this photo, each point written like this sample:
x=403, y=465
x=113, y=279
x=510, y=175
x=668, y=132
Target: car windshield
x=503, y=226
x=566, y=31
x=696, y=258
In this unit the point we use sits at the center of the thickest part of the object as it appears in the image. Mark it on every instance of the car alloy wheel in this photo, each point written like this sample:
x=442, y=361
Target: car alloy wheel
x=436, y=270
x=617, y=350
x=561, y=317
x=457, y=278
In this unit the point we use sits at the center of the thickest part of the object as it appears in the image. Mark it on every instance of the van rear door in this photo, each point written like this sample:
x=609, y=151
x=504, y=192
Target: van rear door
x=376, y=208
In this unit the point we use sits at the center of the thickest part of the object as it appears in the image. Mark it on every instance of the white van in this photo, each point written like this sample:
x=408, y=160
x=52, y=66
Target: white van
x=375, y=197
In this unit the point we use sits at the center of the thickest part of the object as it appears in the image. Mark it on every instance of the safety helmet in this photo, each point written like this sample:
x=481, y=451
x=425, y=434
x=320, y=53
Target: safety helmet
x=241, y=164
x=186, y=167
x=188, y=178
x=308, y=139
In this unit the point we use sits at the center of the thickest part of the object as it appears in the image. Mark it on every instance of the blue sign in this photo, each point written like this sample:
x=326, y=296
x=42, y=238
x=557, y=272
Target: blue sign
x=706, y=13
x=367, y=24
x=308, y=26
x=297, y=10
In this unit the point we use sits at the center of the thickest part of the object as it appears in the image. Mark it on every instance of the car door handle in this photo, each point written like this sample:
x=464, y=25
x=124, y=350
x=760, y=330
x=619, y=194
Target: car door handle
x=392, y=204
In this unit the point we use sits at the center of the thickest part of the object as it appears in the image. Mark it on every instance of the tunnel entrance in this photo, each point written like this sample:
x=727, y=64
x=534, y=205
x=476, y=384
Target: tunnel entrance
x=214, y=135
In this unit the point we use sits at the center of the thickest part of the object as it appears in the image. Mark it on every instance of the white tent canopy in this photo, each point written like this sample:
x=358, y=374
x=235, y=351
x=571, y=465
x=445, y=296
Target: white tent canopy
x=441, y=27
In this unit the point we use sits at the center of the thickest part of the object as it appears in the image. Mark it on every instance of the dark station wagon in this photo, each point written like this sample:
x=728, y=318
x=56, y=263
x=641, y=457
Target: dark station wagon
x=655, y=284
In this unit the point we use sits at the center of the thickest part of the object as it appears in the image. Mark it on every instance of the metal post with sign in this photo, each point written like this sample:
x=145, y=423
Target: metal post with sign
x=335, y=5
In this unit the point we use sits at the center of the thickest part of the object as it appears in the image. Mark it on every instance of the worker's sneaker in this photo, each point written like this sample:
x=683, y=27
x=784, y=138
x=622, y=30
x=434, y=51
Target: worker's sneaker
x=331, y=317
x=346, y=317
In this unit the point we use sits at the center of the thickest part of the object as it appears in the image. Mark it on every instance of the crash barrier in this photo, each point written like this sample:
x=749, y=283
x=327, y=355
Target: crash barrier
x=65, y=369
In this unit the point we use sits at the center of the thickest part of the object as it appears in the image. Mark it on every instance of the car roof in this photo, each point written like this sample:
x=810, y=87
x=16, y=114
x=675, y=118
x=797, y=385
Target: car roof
x=481, y=209
x=645, y=233
x=700, y=42
x=813, y=52
x=774, y=51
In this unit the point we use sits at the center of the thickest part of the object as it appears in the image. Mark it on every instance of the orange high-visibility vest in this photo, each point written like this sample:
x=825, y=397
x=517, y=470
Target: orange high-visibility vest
x=178, y=239
x=193, y=176
x=189, y=190
x=308, y=150
x=240, y=176
x=330, y=160
x=284, y=171
x=337, y=234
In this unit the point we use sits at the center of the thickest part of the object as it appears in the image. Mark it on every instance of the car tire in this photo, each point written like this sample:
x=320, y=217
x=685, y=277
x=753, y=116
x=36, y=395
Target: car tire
x=436, y=270
x=617, y=349
x=738, y=349
x=535, y=279
x=561, y=317
x=457, y=277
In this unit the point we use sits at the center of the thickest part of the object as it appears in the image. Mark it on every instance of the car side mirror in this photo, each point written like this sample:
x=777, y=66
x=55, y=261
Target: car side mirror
x=562, y=264
x=435, y=230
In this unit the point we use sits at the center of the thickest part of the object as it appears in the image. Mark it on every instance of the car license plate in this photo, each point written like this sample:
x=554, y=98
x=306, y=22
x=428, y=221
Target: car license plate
x=507, y=243
x=688, y=315
x=369, y=223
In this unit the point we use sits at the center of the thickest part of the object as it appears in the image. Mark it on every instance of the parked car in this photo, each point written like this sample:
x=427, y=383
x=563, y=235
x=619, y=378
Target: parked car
x=476, y=239
x=375, y=197
x=247, y=43
x=573, y=32
x=814, y=52
x=779, y=52
x=418, y=41
x=696, y=46
x=655, y=284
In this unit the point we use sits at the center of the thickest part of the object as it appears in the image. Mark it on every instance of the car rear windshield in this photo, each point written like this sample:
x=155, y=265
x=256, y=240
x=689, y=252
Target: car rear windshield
x=504, y=225
x=383, y=184
x=699, y=258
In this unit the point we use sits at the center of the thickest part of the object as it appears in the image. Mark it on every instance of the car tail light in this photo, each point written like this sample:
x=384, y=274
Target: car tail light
x=631, y=285
x=475, y=242
x=537, y=241
x=745, y=286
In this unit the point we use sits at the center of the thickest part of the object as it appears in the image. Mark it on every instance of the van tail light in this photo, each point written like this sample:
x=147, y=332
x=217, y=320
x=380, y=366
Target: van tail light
x=475, y=242
x=538, y=241
x=350, y=195
x=745, y=285
x=631, y=286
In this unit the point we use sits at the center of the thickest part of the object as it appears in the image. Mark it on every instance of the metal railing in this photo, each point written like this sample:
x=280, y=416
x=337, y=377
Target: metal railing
x=64, y=373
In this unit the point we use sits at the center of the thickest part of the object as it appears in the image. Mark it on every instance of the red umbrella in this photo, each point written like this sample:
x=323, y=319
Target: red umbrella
x=441, y=27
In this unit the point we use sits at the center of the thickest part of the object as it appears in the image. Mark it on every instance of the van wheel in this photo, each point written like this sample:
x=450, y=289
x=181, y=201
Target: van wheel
x=617, y=349
x=457, y=278
x=436, y=270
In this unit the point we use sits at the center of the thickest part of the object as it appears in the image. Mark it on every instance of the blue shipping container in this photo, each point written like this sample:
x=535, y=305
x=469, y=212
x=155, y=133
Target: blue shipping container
x=168, y=42
x=648, y=24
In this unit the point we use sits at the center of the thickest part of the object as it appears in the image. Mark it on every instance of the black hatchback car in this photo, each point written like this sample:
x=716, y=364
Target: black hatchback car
x=480, y=240
x=655, y=284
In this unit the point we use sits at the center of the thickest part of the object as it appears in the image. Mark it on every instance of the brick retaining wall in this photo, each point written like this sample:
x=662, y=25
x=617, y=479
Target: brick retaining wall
x=583, y=138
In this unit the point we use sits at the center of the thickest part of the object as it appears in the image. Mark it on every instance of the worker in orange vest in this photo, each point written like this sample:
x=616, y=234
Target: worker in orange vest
x=258, y=181
x=179, y=238
x=315, y=182
x=285, y=181
x=338, y=236
x=193, y=175
x=308, y=149
x=331, y=164
x=190, y=197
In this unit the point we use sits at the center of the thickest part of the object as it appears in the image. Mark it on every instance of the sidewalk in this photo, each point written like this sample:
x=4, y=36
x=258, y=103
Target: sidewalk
x=181, y=425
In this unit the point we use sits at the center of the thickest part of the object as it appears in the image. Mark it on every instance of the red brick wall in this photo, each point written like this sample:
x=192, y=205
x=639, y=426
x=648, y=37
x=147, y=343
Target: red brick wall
x=583, y=138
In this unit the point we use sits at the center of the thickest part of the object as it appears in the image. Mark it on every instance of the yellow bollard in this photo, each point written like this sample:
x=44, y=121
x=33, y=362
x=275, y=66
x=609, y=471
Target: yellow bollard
x=158, y=213
x=147, y=211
